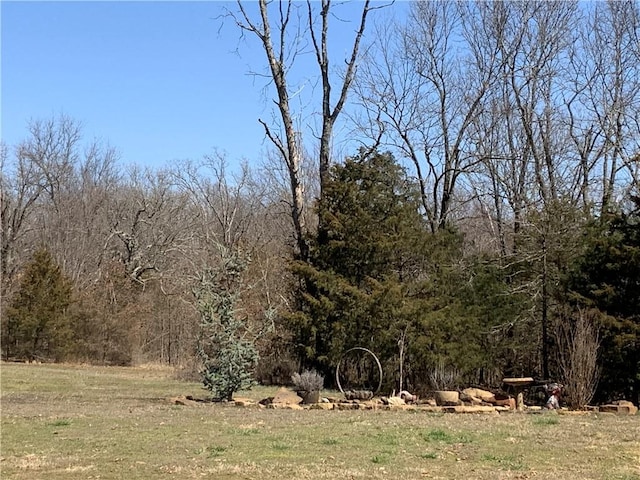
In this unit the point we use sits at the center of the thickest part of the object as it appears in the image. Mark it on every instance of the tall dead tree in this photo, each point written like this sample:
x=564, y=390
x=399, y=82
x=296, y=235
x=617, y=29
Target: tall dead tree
x=282, y=33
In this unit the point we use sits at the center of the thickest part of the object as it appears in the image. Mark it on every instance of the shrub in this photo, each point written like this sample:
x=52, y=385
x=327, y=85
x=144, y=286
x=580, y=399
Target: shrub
x=307, y=381
x=579, y=342
x=444, y=377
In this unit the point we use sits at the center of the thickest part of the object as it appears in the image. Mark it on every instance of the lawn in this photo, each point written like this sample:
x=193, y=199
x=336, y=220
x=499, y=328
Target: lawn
x=81, y=422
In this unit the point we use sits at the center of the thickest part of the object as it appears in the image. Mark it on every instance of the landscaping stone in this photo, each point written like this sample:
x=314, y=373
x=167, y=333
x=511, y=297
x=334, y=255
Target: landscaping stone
x=573, y=412
x=284, y=396
x=621, y=407
x=374, y=404
x=431, y=408
x=285, y=406
x=500, y=409
x=288, y=399
x=469, y=399
x=482, y=395
x=470, y=409
x=507, y=402
x=309, y=398
x=358, y=394
x=322, y=406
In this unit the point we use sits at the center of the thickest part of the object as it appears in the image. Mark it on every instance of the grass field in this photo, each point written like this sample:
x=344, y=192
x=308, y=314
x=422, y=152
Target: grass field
x=79, y=422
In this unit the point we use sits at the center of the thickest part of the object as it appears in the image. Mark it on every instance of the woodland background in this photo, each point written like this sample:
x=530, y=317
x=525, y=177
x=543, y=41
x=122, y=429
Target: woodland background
x=486, y=224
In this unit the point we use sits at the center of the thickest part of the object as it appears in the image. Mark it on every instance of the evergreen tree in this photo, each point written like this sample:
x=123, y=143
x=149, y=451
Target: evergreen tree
x=228, y=356
x=497, y=343
x=377, y=278
x=607, y=277
x=37, y=324
x=369, y=213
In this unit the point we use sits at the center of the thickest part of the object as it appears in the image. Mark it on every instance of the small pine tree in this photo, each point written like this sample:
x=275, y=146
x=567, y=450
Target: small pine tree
x=227, y=356
x=37, y=324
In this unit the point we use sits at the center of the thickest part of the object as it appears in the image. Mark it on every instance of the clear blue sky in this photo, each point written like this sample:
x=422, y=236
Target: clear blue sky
x=158, y=80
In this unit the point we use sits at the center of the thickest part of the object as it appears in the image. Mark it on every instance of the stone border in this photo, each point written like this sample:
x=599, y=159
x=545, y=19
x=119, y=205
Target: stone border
x=291, y=402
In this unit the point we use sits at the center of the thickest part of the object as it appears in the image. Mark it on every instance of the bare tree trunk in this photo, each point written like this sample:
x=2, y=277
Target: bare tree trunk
x=278, y=53
x=545, y=310
x=288, y=146
x=601, y=90
x=330, y=113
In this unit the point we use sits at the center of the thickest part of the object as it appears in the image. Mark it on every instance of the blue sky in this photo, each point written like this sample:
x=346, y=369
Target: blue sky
x=158, y=80
x=154, y=79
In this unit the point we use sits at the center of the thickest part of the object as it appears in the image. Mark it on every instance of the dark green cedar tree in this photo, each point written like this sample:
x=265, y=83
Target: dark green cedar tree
x=607, y=277
x=37, y=325
x=377, y=274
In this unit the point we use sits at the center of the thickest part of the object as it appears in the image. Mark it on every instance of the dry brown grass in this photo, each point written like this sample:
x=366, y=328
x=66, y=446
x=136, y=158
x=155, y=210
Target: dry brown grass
x=80, y=422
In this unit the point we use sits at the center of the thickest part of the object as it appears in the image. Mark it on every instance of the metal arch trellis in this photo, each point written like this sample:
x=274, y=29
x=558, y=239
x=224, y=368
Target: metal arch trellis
x=366, y=350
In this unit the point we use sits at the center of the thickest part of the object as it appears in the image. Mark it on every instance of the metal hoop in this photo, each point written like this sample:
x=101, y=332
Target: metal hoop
x=366, y=350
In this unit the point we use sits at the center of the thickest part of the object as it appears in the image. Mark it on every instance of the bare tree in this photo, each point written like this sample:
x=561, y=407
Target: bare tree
x=38, y=182
x=21, y=185
x=76, y=225
x=423, y=88
x=283, y=36
x=57, y=193
x=230, y=210
x=225, y=202
x=603, y=100
x=53, y=148
x=534, y=53
x=561, y=122
x=519, y=162
x=132, y=242
x=146, y=219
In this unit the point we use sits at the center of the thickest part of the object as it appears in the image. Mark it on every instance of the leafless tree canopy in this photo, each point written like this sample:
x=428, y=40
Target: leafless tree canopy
x=516, y=104
x=134, y=240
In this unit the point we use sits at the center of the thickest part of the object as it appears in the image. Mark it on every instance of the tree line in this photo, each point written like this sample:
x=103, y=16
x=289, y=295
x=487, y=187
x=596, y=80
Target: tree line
x=487, y=226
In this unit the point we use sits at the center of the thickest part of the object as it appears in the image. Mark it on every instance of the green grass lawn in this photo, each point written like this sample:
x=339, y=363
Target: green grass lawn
x=80, y=422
